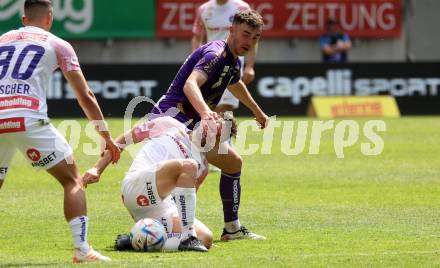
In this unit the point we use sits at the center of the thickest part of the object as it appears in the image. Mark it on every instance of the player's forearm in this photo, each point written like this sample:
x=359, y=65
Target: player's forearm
x=123, y=141
x=196, y=42
x=194, y=95
x=93, y=112
x=243, y=95
x=103, y=162
x=329, y=50
x=346, y=46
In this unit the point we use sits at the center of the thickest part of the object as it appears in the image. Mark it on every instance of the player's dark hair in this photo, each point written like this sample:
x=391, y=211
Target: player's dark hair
x=36, y=8
x=332, y=21
x=251, y=17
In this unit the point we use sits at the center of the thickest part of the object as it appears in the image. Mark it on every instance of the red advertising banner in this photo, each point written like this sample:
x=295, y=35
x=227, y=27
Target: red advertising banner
x=294, y=18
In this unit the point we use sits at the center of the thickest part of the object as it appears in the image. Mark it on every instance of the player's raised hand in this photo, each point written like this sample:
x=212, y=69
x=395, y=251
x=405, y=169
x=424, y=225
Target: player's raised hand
x=208, y=124
x=91, y=176
x=262, y=119
x=209, y=115
x=209, y=119
x=114, y=150
x=248, y=75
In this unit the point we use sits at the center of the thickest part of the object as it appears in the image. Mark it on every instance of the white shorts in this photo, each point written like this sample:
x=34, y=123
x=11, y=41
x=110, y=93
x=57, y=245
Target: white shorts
x=229, y=99
x=40, y=143
x=142, y=200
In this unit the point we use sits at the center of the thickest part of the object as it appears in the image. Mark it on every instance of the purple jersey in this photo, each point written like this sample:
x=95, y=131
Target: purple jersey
x=217, y=62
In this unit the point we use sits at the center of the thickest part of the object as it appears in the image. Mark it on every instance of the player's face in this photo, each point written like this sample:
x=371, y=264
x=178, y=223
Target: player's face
x=244, y=38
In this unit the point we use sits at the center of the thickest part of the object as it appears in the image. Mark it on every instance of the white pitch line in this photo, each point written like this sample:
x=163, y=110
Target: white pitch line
x=370, y=253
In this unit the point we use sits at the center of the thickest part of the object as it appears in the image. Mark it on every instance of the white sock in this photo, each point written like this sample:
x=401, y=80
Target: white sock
x=230, y=142
x=232, y=226
x=186, y=204
x=79, y=227
x=172, y=242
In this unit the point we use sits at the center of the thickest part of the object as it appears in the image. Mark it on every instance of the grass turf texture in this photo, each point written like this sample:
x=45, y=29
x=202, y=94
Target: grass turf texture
x=316, y=210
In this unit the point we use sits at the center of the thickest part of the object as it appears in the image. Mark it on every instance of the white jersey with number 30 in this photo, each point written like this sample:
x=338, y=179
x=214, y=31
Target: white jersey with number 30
x=28, y=57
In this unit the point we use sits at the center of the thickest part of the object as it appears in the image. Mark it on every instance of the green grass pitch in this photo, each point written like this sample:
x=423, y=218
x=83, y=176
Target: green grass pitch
x=316, y=210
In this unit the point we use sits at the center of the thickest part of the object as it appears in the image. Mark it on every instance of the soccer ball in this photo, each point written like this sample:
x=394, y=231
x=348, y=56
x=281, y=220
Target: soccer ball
x=148, y=235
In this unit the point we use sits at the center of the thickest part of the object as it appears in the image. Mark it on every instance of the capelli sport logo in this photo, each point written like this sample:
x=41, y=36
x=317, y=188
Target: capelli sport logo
x=341, y=82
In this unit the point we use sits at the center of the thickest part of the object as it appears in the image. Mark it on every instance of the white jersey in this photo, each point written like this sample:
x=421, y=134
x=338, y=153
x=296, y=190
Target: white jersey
x=167, y=139
x=170, y=141
x=215, y=19
x=28, y=57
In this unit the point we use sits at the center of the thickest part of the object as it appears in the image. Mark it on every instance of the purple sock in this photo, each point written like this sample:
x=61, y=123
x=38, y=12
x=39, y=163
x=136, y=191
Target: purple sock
x=230, y=193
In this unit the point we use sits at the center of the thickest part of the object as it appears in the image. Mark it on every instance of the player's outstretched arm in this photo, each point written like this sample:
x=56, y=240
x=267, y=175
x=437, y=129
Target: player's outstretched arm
x=240, y=91
x=94, y=174
x=88, y=103
x=192, y=91
x=137, y=134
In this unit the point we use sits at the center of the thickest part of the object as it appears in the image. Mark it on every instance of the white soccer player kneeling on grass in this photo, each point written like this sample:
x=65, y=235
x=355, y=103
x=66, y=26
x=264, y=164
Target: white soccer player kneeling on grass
x=170, y=164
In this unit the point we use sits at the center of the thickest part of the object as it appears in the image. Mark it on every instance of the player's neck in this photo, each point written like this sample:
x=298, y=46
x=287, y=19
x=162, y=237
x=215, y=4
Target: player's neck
x=229, y=44
x=37, y=24
x=221, y=2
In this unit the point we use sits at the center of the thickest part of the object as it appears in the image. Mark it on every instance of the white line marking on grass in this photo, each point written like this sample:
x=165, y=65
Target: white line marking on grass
x=370, y=253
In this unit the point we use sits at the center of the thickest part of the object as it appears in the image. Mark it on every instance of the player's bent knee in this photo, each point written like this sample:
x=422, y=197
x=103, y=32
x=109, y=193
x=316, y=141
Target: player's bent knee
x=206, y=237
x=75, y=182
x=237, y=161
x=189, y=166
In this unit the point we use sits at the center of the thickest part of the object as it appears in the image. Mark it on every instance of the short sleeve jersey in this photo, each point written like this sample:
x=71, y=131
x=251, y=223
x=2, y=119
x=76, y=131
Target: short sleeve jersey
x=215, y=20
x=168, y=140
x=28, y=57
x=216, y=61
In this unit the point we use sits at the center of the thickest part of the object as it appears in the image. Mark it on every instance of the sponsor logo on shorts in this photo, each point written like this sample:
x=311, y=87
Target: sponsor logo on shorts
x=142, y=201
x=10, y=125
x=164, y=222
x=3, y=170
x=19, y=102
x=151, y=193
x=33, y=154
x=45, y=161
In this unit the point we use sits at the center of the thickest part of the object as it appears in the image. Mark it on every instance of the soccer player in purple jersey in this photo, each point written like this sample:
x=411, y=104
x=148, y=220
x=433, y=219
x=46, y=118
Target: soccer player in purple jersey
x=197, y=89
